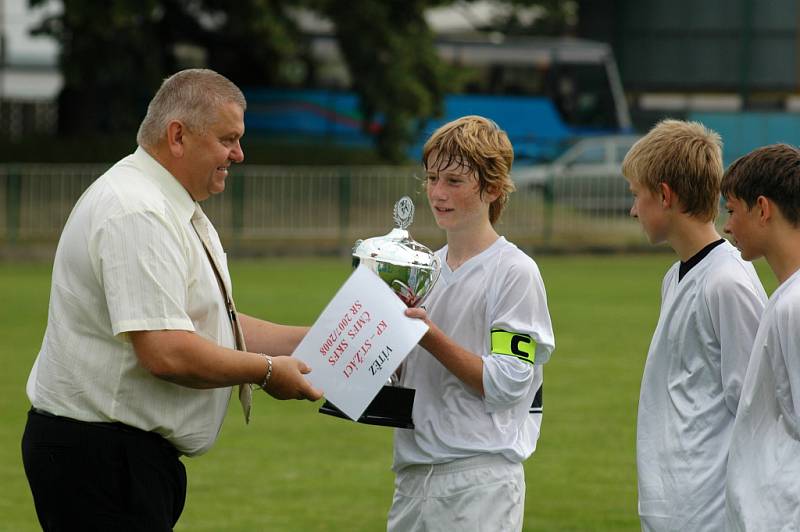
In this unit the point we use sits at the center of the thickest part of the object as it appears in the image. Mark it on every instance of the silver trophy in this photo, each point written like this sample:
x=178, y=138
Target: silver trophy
x=410, y=269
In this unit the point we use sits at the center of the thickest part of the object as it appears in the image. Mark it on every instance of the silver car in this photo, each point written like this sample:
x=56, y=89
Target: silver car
x=588, y=176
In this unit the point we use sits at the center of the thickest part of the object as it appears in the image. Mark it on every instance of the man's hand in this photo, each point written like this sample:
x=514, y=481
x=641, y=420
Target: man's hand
x=287, y=381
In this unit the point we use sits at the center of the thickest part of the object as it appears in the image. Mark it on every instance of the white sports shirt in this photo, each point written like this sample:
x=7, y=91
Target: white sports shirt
x=690, y=390
x=763, y=491
x=129, y=260
x=498, y=290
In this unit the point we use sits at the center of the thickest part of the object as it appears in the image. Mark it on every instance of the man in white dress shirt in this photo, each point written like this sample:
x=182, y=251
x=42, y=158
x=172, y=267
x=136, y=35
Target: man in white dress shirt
x=711, y=303
x=762, y=190
x=143, y=343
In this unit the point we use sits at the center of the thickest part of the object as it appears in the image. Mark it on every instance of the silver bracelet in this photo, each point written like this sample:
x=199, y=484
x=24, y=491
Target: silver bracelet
x=269, y=371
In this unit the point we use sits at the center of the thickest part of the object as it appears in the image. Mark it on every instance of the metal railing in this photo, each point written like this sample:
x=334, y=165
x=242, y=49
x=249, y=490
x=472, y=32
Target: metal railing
x=271, y=209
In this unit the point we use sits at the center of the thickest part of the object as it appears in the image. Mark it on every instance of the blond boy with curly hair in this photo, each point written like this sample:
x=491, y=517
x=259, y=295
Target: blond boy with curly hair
x=478, y=371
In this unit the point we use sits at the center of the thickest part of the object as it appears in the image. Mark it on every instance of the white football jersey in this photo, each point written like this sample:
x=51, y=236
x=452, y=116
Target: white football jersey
x=690, y=390
x=763, y=491
x=495, y=306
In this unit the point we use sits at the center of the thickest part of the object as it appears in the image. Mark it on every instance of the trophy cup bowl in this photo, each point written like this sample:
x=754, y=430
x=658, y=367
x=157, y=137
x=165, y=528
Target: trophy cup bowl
x=410, y=270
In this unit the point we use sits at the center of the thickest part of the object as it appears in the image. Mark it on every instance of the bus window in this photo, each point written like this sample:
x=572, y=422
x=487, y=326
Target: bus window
x=582, y=96
x=499, y=79
x=573, y=75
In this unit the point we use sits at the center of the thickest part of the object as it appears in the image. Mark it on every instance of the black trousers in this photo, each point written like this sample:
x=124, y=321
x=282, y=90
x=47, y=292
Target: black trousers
x=101, y=476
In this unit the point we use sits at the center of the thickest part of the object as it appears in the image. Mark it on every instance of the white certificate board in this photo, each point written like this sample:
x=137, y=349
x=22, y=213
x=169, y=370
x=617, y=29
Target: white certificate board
x=358, y=341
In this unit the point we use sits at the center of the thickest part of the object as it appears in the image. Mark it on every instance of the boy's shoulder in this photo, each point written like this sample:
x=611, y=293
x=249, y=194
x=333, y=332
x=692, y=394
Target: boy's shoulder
x=787, y=296
x=729, y=280
x=722, y=269
x=505, y=265
x=511, y=258
x=726, y=266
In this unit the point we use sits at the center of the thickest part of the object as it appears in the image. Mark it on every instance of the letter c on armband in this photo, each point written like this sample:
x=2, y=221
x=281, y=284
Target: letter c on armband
x=517, y=345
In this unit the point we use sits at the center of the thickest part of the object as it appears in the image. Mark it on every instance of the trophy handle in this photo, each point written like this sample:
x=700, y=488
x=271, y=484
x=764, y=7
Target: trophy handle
x=437, y=270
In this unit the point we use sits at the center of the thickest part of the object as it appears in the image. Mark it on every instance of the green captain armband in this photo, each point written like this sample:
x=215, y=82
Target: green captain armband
x=517, y=345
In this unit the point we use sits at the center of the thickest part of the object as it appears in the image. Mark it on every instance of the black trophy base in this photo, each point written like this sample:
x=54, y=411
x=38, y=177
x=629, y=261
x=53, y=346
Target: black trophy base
x=390, y=408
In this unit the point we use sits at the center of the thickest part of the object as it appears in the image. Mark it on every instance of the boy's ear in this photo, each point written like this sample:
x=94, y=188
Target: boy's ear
x=491, y=193
x=666, y=195
x=765, y=209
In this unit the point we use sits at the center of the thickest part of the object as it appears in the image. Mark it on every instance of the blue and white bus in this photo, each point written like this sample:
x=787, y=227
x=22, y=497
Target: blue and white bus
x=543, y=92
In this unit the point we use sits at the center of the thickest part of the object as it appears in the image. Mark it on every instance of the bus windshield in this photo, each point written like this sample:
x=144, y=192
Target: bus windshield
x=578, y=76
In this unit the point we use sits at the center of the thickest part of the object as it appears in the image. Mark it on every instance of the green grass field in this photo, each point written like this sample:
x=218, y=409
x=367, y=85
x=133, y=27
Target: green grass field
x=293, y=469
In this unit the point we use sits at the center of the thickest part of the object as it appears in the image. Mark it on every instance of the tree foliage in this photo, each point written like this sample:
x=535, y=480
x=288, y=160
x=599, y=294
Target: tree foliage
x=114, y=54
x=391, y=57
x=108, y=61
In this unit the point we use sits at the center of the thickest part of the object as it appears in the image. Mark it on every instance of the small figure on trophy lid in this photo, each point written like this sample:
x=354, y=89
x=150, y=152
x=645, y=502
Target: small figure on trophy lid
x=403, y=212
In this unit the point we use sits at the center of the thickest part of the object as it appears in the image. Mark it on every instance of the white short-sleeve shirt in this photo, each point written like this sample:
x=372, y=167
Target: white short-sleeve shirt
x=129, y=260
x=763, y=489
x=690, y=390
x=498, y=289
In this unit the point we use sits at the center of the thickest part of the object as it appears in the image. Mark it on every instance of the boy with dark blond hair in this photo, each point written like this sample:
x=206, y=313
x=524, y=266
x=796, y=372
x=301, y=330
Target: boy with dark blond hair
x=762, y=190
x=711, y=302
x=478, y=371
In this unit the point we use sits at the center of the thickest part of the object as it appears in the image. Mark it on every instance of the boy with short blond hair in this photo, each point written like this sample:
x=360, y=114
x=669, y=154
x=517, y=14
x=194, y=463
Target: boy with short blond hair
x=762, y=190
x=711, y=302
x=686, y=156
x=478, y=371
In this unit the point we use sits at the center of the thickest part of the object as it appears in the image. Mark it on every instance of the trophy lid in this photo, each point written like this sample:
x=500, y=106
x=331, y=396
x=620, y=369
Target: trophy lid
x=397, y=247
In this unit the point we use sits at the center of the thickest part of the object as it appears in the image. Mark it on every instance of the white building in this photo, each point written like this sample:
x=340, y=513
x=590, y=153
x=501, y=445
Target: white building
x=28, y=64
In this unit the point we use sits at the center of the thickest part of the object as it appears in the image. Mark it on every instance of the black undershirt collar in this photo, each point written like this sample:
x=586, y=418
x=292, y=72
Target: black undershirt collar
x=684, y=268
